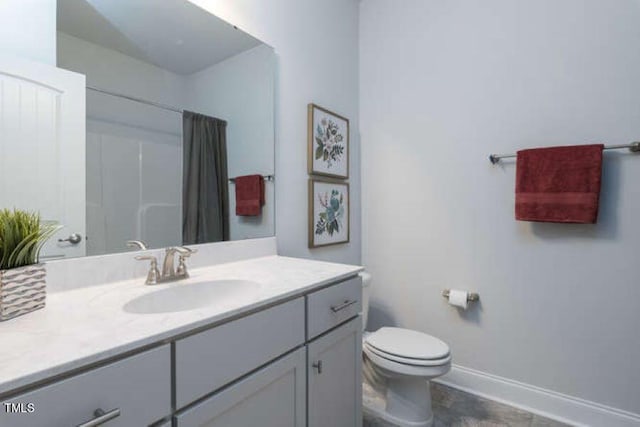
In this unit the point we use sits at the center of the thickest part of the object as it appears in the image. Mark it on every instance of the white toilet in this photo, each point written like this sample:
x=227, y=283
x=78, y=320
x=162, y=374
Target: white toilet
x=397, y=366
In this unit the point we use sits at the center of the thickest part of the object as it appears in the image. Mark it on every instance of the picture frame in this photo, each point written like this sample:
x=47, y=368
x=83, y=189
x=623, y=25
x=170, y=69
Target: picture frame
x=329, y=212
x=328, y=143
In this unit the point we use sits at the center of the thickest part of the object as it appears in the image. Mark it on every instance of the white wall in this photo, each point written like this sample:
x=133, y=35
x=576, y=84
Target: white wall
x=444, y=83
x=316, y=46
x=28, y=29
x=240, y=90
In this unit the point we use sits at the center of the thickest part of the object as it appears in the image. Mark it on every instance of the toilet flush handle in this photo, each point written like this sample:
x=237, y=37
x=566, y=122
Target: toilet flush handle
x=318, y=366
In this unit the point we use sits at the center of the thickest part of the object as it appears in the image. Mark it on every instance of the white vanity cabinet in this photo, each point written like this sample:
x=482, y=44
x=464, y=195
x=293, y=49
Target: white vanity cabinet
x=135, y=391
x=293, y=364
x=274, y=396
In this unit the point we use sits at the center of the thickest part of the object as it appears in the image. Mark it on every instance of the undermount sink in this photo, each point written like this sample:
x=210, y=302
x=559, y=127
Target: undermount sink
x=189, y=296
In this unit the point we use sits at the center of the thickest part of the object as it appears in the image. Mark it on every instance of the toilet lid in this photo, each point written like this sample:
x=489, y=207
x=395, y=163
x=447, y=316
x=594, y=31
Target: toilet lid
x=408, y=344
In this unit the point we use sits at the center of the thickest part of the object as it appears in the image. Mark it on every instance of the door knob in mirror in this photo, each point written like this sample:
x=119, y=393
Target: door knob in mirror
x=74, y=239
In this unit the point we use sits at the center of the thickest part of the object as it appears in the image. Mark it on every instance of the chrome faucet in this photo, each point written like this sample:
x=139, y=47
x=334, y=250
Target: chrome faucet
x=169, y=273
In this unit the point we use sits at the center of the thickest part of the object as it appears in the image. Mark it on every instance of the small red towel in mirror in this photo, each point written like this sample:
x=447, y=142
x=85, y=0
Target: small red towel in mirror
x=249, y=195
x=559, y=184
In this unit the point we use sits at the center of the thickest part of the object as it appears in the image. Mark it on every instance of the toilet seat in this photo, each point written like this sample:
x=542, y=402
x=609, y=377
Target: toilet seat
x=406, y=360
x=408, y=346
x=394, y=368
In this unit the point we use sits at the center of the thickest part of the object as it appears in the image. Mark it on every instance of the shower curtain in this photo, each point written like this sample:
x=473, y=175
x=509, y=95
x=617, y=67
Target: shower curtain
x=205, y=195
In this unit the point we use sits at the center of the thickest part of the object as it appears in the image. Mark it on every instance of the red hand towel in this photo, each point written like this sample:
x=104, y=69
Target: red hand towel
x=249, y=195
x=559, y=184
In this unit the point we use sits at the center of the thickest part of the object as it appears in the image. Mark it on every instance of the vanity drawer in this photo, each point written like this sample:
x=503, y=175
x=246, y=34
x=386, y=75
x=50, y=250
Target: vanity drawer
x=332, y=306
x=203, y=365
x=139, y=387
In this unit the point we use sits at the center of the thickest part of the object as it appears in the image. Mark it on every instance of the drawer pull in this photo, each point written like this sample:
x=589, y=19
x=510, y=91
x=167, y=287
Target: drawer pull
x=101, y=417
x=347, y=303
x=318, y=366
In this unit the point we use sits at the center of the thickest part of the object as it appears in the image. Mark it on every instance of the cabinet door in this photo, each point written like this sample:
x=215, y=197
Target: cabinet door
x=274, y=396
x=335, y=377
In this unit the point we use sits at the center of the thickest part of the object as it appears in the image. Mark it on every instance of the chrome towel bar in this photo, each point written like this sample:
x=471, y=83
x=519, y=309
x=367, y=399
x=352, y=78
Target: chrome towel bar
x=633, y=147
x=266, y=178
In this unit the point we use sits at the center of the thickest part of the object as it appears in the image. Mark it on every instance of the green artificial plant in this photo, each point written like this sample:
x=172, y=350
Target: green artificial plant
x=22, y=235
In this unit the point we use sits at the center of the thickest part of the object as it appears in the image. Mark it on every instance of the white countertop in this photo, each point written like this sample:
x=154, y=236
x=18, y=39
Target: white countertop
x=87, y=325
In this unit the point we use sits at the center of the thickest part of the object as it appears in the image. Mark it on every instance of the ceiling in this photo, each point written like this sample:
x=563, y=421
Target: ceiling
x=172, y=34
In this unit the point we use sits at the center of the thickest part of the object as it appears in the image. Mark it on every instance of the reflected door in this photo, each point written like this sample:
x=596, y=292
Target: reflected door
x=42, y=149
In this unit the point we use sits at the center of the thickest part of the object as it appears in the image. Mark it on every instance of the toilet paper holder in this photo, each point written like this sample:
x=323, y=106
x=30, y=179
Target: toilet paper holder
x=471, y=296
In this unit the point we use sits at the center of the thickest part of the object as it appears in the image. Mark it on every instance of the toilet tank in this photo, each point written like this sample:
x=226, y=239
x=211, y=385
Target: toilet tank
x=366, y=290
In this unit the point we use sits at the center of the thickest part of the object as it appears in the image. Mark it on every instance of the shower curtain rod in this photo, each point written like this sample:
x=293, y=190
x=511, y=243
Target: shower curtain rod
x=140, y=100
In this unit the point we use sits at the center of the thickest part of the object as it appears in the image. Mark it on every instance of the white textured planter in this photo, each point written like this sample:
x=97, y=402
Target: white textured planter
x=22, y=290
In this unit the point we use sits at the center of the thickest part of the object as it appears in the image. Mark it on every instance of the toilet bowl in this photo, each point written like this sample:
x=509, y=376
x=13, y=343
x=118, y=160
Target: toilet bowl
x=397, y=366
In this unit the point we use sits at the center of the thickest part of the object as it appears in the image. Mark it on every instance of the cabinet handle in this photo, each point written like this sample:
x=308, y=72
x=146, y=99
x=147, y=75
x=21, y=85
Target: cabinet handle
x=345, y=304
x=318, y=366
x=101, y=417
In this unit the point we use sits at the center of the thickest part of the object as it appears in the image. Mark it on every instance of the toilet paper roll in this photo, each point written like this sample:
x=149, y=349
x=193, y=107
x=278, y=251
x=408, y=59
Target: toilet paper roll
x=458, y=298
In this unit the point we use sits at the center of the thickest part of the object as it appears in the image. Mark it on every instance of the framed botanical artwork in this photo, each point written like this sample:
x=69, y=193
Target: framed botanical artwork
x=328, y=135
x=328, y=212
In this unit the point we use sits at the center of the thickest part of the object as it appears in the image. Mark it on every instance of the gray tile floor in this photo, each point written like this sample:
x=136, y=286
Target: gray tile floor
x=455, y=408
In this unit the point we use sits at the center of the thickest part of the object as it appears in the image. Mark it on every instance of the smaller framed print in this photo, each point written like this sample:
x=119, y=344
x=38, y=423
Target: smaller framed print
x=328, y=135
x=328, y=212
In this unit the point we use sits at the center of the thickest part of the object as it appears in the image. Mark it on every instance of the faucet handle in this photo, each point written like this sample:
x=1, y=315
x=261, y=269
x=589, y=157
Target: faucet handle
x=183, y=254
x=154, y=273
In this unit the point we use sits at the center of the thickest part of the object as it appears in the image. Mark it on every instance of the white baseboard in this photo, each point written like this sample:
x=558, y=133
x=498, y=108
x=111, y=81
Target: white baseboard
x=550, y=404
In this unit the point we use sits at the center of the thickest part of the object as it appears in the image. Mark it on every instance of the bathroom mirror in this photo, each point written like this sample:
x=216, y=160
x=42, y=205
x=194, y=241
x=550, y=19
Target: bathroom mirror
x=178, y=104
